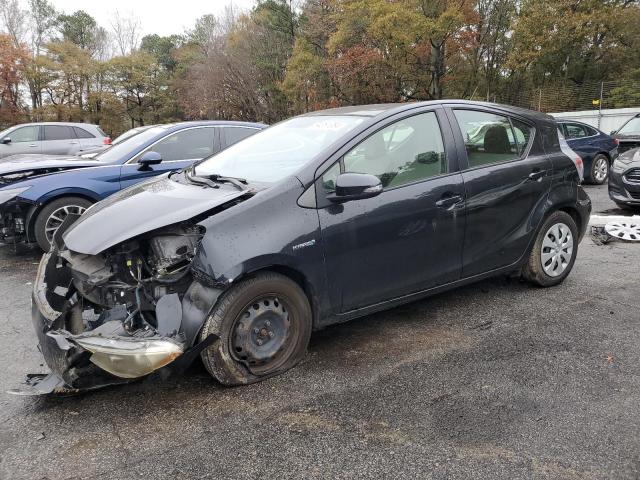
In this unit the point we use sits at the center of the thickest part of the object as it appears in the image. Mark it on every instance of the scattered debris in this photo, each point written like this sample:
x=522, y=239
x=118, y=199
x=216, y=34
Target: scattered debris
x=41, y=436
x=600, y=235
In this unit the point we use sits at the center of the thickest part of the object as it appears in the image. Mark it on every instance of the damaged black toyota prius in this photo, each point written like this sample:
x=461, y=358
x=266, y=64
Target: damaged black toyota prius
x=317, y=220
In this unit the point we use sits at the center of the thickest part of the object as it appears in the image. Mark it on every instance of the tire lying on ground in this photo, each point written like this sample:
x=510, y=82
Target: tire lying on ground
x=263, y=324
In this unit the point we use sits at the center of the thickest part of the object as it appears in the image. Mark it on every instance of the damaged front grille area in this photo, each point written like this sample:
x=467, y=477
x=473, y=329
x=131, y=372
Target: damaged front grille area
x=115, y=316
x=13, y=222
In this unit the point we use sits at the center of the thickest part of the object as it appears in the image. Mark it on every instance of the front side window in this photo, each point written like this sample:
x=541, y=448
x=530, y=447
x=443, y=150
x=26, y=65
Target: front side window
x=24, y=134
x=188, y=144
x=407, y=151
x=58, y=132
x=489, y=138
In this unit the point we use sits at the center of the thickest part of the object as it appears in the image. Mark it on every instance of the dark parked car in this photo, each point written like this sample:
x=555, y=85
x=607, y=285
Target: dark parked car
x=628, y=134
x=320, y=219
x=596, y=148
x=38, y=192
x=624, y=182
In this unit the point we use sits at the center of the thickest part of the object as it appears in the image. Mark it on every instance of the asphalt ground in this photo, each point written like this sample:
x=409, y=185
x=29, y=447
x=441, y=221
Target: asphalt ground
x=497, y=380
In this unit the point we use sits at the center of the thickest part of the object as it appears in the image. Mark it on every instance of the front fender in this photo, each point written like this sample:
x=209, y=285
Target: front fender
x=266, y=231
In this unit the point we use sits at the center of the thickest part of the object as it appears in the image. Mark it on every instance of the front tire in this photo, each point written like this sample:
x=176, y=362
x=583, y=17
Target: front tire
x=263, y=325
x=52, y=216
x=599, y=169
x=554, y=251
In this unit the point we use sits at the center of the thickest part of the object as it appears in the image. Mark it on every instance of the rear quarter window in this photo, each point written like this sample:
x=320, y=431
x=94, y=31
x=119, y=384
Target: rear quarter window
x=82, y=133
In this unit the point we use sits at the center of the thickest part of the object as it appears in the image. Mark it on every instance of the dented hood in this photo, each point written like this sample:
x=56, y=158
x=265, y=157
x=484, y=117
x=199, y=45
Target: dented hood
x=139, y=209
x=22, y=163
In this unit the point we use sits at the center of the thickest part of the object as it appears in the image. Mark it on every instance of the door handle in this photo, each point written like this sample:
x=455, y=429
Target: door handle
x=73, y=143
x=537, y=175
x=449, y=201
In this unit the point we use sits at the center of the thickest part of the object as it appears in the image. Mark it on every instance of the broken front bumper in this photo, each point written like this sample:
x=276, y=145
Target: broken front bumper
x=105, y=355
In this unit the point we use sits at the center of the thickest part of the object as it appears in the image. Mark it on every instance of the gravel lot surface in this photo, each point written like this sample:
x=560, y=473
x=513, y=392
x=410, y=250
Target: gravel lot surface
x=495, y=380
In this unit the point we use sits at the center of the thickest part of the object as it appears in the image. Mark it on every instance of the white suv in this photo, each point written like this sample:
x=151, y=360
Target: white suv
x=51, y=138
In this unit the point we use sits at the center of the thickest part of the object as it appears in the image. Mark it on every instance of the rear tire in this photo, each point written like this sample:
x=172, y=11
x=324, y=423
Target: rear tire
x=554, y=251
x=599, y=173
x=263, y=325
x=52, y=216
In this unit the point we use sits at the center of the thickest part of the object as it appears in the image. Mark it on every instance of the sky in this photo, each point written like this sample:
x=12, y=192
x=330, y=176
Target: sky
x=156, y=16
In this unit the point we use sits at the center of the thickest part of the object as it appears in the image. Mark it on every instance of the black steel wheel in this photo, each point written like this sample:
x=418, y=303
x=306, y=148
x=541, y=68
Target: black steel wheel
x=263, y=325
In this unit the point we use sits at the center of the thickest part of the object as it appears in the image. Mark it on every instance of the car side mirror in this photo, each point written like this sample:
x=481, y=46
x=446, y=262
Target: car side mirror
x=428, y=157
x=149, y=158
x=6, y=140
x=355, y=186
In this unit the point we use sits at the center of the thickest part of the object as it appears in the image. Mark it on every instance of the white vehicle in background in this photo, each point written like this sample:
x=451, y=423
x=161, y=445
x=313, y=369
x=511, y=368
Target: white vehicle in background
x=51, y=138
x=128, y=134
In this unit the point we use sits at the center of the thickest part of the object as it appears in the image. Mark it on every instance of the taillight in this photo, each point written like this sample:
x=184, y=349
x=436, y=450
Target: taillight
x=579, y=165
x=106, y=141
x=617, y=141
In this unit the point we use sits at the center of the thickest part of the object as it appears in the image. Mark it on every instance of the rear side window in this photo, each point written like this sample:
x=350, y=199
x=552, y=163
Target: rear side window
x=573, y=130
x=194, y=143
x=489, y=138
x=24, y=134
x=592, y=131
x=58, y=132
x=522, y=133
x=82, y=133
x=407, y=151
x=235, y=134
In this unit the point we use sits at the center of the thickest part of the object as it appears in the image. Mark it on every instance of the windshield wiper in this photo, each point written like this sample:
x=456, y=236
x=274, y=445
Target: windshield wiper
x=240, y=183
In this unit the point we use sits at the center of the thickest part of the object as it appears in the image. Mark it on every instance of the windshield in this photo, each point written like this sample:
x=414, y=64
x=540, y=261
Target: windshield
x=129, y=134
x=632, y=127
x=123, y=149
x=8, y=130
x=278, y=151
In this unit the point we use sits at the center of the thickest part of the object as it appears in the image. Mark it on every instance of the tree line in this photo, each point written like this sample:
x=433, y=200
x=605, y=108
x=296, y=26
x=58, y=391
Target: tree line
x=284, y=57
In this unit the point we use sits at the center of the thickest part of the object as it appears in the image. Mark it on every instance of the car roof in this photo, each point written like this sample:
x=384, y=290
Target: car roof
x=204, y=123
x=386, y=109
x=66, y=124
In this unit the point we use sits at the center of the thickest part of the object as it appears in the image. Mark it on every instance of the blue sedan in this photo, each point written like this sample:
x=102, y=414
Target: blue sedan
x=38, y=192
x=597, y=149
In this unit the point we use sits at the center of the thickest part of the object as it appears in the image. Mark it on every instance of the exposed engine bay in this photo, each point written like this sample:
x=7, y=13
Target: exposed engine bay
x=121, y=310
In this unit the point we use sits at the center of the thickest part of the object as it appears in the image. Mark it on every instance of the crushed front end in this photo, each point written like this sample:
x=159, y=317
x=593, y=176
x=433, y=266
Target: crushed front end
x=120, y=315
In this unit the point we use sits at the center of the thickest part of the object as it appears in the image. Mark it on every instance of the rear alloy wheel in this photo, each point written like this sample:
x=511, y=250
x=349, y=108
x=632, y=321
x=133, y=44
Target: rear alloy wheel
x=599, y=169
x=53, y=215
x=554, y=252
x=263, y=325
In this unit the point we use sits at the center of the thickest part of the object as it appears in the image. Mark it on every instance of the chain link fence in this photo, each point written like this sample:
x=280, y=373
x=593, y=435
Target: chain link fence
x=569, y=97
